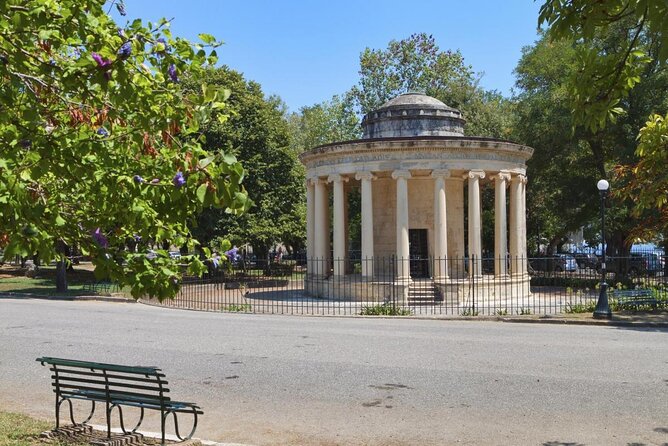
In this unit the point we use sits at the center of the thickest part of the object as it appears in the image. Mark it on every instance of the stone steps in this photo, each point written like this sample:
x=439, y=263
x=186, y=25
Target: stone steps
x=423, y=293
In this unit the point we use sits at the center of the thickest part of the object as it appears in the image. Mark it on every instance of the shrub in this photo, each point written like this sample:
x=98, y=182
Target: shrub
x=385, y=310
x=587, y=307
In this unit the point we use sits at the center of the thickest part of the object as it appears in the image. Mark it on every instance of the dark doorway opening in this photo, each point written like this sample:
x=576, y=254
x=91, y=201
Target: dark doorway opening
x=419, y=252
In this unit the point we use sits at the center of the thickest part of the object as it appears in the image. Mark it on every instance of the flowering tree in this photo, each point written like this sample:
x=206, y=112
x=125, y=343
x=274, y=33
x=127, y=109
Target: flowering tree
x=100, y=146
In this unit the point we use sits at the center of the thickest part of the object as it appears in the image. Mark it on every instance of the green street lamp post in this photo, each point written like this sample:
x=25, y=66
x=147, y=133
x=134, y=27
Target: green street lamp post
x=602, y=310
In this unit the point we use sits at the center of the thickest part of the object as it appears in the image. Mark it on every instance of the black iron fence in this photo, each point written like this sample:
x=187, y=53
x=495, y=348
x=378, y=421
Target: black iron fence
x=416, y=286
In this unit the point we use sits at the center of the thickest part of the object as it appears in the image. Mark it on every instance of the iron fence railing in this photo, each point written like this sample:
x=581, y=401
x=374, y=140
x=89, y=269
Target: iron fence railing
x=418, y=286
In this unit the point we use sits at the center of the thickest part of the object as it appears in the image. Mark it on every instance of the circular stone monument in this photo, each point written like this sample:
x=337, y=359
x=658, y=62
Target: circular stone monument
x=413, y=167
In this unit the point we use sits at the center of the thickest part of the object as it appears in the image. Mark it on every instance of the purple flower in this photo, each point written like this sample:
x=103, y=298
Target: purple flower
x=155, y=180
x=102, y=132
x=99, y=238
x=137, y=238
x=215, y=260
x=138, y=179
x=101, y=62
x=232, y=254
x=172, y=73
x=178, y=179
x=125, y=50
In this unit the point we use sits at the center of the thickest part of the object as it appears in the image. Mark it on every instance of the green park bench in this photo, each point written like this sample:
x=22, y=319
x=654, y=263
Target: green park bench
x=634, y=298
x=100, y=286
x=116, y=386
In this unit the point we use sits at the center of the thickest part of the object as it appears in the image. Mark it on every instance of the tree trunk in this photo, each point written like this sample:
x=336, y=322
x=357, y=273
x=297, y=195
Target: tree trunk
x=61, y=268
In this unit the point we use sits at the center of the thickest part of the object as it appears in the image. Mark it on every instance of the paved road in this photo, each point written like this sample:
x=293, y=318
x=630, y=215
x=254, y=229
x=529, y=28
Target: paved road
x=271, y=380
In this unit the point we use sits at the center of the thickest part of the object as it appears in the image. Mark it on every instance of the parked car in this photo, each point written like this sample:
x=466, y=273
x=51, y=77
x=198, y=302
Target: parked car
x=634, y=265
x=557, y=263
x=655, y=263
x=585, y=259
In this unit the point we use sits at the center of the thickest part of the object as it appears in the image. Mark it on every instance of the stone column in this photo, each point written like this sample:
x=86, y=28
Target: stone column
x=403, y=253
x=440, y=226
x=310, y=224
x=500, y=224
x=475, y=226
x=455, y=226
x=339, y=224
x=321, y=228
x=517, y=221
x=367, y=222
x=524, y=256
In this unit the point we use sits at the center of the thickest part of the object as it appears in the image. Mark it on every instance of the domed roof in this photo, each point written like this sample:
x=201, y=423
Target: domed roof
x=413, y=114
x=414, y=99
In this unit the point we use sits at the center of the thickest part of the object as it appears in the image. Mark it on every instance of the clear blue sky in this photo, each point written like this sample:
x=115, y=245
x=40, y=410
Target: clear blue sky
x=307, y=51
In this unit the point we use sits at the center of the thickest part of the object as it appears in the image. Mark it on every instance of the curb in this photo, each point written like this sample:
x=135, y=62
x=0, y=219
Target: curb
x=11, y=295
x=545, y=319
x=156, y=435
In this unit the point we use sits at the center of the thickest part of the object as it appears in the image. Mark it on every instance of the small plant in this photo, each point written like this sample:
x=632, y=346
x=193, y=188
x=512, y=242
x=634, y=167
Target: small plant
x=234, y=308
x=503, y=312
x=580, y=308
x=385, y=309
x=525, y=311
x=470, y=312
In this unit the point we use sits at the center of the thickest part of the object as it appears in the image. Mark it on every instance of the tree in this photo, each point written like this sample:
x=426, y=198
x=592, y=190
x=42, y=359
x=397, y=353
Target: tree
x=100, y=145
x=418, y=64
x=605, y=79
x=256, y=130
x=570, y=159
x=323, y=123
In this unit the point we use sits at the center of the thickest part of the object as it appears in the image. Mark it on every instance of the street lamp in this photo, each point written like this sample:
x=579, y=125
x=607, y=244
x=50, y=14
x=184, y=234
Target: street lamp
x=602, y=310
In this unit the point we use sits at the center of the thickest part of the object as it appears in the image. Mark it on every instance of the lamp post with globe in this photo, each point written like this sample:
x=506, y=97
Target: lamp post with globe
x=602, y=310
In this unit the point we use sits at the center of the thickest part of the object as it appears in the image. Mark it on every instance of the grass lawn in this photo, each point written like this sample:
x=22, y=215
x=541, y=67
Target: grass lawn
x=22, y=430
x=13, y=279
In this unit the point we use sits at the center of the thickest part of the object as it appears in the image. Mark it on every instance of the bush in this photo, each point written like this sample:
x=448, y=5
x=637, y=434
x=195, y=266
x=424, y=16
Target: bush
x=587, y=307
x=385, y=310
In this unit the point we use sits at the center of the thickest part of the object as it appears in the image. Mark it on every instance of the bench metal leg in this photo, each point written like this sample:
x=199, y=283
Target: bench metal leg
x=74, y=423
x=120, y=417
x=176, y=426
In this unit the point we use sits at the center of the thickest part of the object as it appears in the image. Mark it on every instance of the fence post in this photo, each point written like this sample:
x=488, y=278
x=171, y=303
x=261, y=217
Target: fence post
x=473, y=264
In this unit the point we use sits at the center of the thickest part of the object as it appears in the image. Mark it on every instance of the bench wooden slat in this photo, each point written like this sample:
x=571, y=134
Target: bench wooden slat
x=133, y=377
x=118, y=393
x=111, y=383
x=99, y=366
x=175, y=406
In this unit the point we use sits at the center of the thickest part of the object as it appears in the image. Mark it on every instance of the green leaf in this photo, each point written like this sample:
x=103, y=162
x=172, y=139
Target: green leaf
x=201, y=192
x=207, y=38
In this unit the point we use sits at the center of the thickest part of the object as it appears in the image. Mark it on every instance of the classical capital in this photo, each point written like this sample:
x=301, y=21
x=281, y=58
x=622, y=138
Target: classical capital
x=520, y=178
x=335, y=178
x=440, y=173
x=364, y=176
x=479, y=174
x=504, y=175
x=318, y=181
x=405, y=174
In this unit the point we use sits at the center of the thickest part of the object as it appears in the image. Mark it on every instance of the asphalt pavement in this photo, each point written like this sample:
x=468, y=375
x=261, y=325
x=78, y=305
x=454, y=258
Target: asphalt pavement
x=270, y=380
